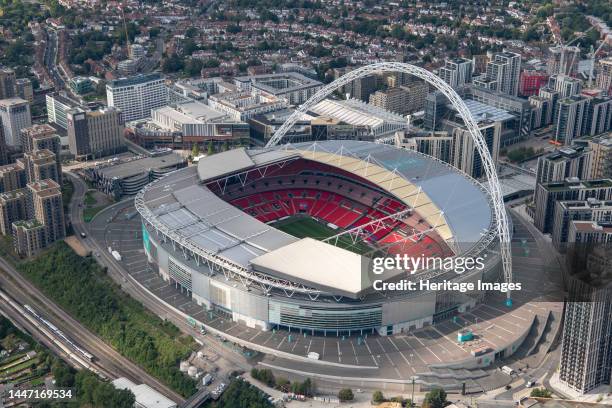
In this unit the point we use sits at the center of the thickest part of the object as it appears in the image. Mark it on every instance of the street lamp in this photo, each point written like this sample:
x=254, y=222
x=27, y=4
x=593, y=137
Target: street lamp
x=413, y=378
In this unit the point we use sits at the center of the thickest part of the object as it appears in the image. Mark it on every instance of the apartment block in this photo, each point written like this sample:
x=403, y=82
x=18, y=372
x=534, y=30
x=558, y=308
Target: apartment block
x=572, y=189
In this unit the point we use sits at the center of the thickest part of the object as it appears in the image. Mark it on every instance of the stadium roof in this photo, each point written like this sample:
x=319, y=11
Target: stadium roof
x=447, y=199
x=309, y=261
x=357, y=113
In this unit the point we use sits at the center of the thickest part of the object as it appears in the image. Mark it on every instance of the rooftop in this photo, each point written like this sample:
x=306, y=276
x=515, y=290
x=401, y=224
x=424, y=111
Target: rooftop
x=134, y=80
x=125, y=169
x=10, y=102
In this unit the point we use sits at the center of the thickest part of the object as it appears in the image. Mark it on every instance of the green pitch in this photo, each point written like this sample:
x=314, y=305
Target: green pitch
x=302, y=227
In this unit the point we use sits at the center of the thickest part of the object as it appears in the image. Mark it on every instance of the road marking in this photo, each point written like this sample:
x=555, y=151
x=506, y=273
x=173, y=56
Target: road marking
x=354, y=352
x=428, y=349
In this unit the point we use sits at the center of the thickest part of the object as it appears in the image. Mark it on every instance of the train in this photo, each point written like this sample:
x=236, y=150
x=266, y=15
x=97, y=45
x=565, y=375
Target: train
x=74, y=352
x=59, y=333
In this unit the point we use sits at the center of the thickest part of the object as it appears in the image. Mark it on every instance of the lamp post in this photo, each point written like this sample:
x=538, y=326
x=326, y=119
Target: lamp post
x=413, y=378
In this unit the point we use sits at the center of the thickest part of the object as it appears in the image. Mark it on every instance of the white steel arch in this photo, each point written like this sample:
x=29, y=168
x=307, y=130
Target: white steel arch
x=501, y=217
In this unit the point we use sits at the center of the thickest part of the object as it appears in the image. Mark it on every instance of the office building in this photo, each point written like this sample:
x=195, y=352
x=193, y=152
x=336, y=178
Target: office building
x=198, y=123
x=548, y=194
x=572, y=119
x=24, y=89
x=58, y=106
x=12, y=177
x=604, y=75
x=7, y=83
x=566, y=212
x=95, y=133
x=243, y=105
x=457, y=72
x=502, y=74
x=564, y=163
x=15, y=115
x=601, y=161
x=13, y=207
x=563, y=60
x=518, y=107
x=81, y=85
x=435, y=110
x=136, y=96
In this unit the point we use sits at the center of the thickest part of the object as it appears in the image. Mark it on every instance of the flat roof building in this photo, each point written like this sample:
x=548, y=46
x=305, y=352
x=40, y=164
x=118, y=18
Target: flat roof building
x=137, y=95
x=15, y=115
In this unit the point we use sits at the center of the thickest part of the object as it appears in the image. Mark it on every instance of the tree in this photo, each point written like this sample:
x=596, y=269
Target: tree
x=541, y=393
x=378, y=397
x=436, y=398
x=345, y=394
x=211, y=148
x=195, y=150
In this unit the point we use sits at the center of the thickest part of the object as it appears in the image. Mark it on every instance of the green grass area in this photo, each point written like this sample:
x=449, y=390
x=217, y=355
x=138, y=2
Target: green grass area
x=302, y=227
x=82, y=287
x=90, y=213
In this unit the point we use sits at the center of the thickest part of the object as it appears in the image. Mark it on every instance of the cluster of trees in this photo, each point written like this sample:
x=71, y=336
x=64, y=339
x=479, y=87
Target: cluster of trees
x=91, y=392
x=346, y=394
x=82, y=288
x=267, y=377
x=378, y=398
x=541, y=393
x=436, y=398
x=241, y=394
x=520, y=154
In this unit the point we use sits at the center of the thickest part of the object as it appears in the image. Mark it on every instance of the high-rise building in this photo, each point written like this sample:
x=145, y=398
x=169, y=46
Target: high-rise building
x=599, y=117
x=95, y=133
x=3, y=148
x=7, y=83
x=568, y=211
x=564, y=163
x=402, y=100
x=586, y=340
x=15, y=115
x=565, y=85
x=552, y=96
x=12, y=177
x=601, y=161
x=457, y=72
x=531, y=81
x=13, y=207
x=465, y=156
x=28, y=237
x=604, y=74
x=41, y=137
x=563, y=60
x=572, y=119
x=47, y=207
x=435, y=110
x=503, y=74
x=24, y=89
x=436, y=144
x=58, y=106
x=136, y=96
x=547, y=195
x=40, y=165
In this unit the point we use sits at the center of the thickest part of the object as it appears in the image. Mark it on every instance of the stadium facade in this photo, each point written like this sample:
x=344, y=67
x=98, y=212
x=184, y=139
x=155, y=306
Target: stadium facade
x=215, y=230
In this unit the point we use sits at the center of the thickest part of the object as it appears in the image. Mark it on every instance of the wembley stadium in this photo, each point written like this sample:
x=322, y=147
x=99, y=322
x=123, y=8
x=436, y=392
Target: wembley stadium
x=282, y=237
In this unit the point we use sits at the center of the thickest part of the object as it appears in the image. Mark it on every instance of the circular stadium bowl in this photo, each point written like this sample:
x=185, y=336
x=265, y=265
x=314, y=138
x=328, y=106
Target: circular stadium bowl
x=286, y=237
